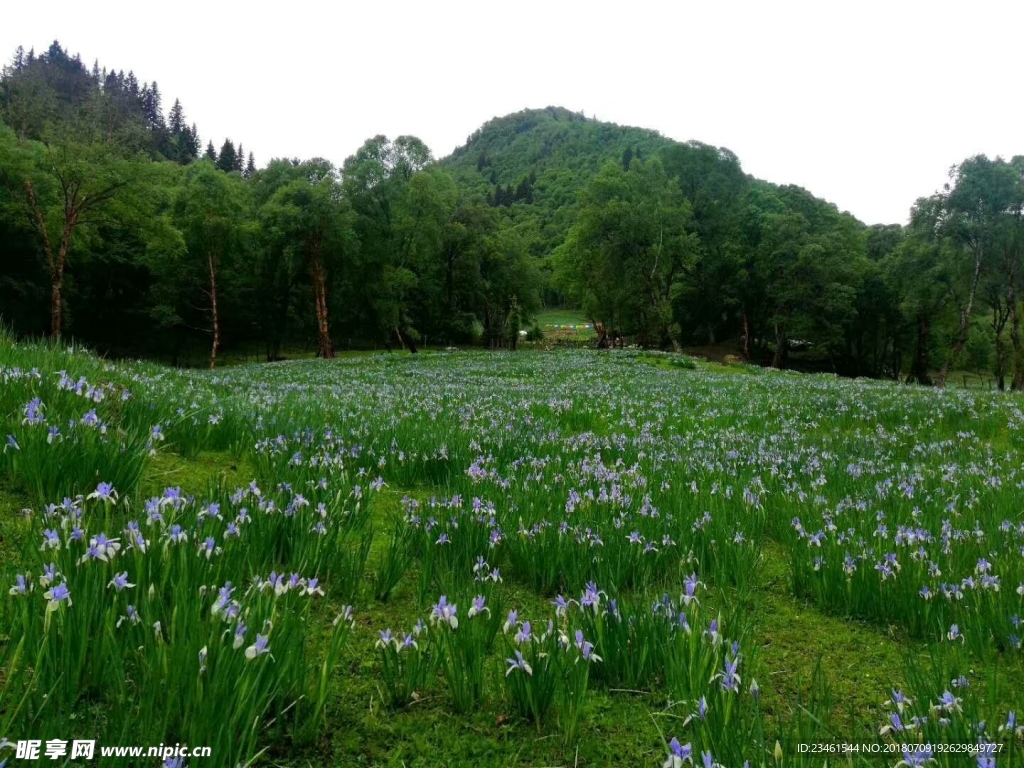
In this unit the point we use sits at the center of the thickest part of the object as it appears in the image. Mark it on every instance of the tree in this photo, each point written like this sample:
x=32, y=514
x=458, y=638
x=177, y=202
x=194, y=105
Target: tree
x=918, y=270
x=509, y=286
x=176, y=119
x=375, y=179
x=228, y=157
x=309, y=225
x=1011, y=245
x=60, y=188
x=973, y=211
x=211, y=153
x=210, y=210
x=628, y=251
x=712, y=181
x=250, y=167
x=799, y=269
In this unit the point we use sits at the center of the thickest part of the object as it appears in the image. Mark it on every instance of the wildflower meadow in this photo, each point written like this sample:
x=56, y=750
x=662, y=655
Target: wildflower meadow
x=490, y=559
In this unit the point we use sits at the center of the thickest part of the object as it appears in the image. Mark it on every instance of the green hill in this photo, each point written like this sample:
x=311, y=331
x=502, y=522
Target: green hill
x=534, y=163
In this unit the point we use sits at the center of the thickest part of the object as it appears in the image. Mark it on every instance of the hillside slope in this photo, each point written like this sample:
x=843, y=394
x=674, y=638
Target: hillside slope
x=534, y=162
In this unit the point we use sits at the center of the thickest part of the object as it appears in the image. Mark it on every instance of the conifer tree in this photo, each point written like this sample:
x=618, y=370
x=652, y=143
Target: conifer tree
x=152, y=109
x=226, y=158
x=176, y=119
x=131, y=85
x=211, y=153
x=250, y=167
x=193, y=144
x=239, y=159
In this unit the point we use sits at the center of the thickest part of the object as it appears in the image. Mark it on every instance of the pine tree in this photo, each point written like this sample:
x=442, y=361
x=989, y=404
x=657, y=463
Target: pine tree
x=55, y=54
x=239, y=158
x=250, y=167
x=131, y=85
x=192, y=144
x=176, y=119
x=211, y=153
x=19, y=58
x=226, y=158
x=525, y=190
x=151, y=108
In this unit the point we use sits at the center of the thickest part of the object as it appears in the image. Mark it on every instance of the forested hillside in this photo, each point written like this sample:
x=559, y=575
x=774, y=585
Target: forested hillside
x=534, y=164
x=124, y=228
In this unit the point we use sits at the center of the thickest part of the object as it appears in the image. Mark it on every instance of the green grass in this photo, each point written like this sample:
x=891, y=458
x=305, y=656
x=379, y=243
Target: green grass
x=14, y=530
x=565, y=325
x=551, y=317
x=793, y=638
x=197, y=475
x=525, y=432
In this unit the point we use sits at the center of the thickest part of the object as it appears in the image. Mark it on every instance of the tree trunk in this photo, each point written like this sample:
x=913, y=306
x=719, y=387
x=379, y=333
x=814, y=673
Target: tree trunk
x=213, y=312
x=1017, y=382
x=746, y=334
x=781, y=346
x=325, y=347
x=965, y=322
x=57, y=277
x=919, y=372
x=1000, y=315
x=56, y=304
x=56, y=262
x=450, y=282
x=1018, y=354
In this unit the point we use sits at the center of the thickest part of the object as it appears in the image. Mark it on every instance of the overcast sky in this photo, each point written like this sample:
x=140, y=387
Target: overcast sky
x=864, y=103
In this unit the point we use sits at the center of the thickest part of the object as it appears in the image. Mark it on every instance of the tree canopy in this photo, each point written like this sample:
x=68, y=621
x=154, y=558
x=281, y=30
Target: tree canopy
x=121, y=231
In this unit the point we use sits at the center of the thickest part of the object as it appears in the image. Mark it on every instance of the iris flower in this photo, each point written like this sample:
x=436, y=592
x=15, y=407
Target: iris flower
x=20, y=588
x=120, y=582
x=104, y=492
x=57, y=595
x=478, y=606
x=915, y=756
x=444, y=613
x=260, y=647
x=678, y=754
x=518, y=663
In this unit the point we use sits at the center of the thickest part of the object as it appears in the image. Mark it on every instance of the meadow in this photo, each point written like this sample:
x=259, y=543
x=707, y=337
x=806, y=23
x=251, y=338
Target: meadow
x=532, y=559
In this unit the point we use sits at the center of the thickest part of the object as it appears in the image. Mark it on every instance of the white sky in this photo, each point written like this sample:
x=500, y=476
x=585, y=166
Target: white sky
x=864, y=103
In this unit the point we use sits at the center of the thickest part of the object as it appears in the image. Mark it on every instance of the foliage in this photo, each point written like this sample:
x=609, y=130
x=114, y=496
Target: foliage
x=660, y=244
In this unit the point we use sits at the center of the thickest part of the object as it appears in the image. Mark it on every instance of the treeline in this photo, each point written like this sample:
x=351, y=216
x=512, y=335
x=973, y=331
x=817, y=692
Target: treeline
x=117, y=233
x=686, y=249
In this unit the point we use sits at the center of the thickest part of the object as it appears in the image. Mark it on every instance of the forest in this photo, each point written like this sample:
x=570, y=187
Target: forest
x=122, y=230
